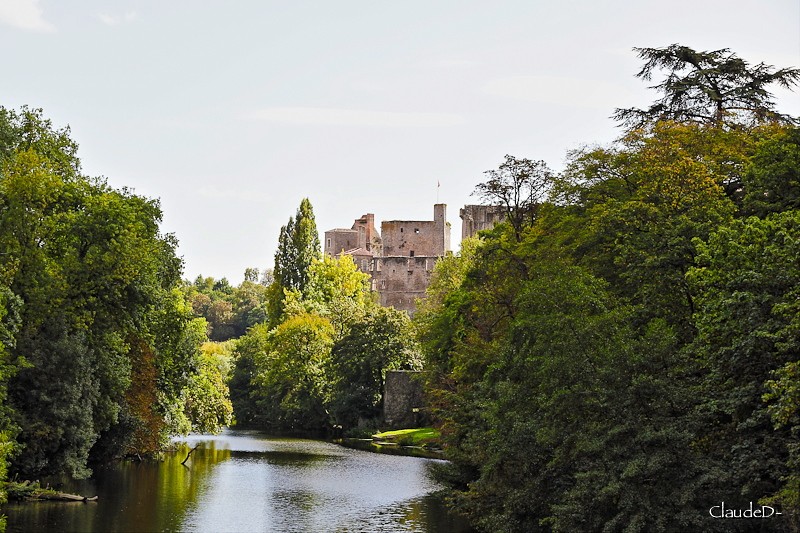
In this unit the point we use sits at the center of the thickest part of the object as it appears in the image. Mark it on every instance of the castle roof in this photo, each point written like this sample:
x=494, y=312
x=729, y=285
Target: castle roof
x=349, y=230
x=358, y=251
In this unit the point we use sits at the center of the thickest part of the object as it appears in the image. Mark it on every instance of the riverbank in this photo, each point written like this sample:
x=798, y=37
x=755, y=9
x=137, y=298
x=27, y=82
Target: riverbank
x=23, y=491
x=415, y=442
x=424, y=437
x=281, y=484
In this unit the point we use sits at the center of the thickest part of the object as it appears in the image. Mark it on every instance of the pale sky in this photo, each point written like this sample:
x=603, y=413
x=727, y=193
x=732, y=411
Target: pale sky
x=232, y=112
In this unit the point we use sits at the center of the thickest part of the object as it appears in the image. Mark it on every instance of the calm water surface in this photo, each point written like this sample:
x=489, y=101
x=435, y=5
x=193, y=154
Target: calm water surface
x=244, y=481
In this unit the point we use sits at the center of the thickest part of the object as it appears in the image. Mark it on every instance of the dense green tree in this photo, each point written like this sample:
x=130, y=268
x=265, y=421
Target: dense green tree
x=298, y=247
x=359, y=360
x=636, y=208
x=9, y=322
x=771, y=182
x=278, y=385
x=249, y=306
x=627, y=359
x=96, y=277
x=783, y=394
x=290, y=373
x=229, y=311
x=207, y=403
x=338, y=291
x=245, y=399
x=747, y=283
x=29, y=130
x=556, y=412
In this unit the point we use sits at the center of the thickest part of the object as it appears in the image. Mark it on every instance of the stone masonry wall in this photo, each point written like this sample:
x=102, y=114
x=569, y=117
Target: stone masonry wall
x=402, y=396
x=338, y=240
x=475, y=218
x=400, y=259
x=417, y=237
x=401, y=280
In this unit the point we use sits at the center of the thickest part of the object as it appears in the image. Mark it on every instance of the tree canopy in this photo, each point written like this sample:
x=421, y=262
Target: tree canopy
x=710, y=87
x=99, y=346
x=627, y=357
x=298, y=246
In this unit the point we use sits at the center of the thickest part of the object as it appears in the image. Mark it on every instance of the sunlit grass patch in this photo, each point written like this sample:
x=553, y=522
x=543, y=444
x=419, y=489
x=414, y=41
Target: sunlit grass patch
x=410, y=437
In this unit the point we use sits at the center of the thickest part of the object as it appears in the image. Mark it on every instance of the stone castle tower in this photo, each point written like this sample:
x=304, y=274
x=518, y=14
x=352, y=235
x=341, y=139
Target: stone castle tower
x=475, y=218
x=399, y=259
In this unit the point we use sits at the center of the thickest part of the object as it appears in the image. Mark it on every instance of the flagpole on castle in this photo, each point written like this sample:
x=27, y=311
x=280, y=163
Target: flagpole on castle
x=437, y=190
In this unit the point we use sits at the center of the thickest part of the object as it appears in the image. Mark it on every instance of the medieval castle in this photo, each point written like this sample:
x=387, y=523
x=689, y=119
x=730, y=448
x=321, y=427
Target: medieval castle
x=400, y=259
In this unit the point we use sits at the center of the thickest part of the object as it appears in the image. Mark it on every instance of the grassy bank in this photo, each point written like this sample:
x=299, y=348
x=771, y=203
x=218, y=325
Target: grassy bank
x=426, y=437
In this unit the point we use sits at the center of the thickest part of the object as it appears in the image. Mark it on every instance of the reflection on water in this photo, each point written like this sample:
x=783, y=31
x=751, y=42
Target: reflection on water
x=244, y=481
x=391, y=449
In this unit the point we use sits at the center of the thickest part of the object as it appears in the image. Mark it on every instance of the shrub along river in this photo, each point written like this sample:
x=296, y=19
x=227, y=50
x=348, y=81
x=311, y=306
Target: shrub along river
x=243, y=481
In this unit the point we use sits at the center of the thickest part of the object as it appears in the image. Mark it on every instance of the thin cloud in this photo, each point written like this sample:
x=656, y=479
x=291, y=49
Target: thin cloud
x=116, y=20
x=573, y=92
x=324, y=116
x=25, y=15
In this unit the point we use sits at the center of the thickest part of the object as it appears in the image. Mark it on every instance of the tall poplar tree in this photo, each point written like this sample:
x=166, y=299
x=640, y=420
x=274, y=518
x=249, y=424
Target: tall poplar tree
x=298, y=246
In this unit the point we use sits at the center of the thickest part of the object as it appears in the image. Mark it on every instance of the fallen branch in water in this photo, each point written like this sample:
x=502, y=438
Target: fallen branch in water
x=64, y=497
x=190, y=453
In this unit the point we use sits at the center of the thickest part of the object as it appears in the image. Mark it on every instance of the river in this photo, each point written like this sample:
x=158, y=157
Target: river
x=242, y=481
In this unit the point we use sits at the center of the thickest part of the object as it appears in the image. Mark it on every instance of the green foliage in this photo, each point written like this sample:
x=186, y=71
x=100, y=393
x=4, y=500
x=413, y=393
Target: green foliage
x=638, y=207
x=29, y=130
x=9, y=323
x=540, y=393
x=715, y=87
x=229, y=311
x=99, y=354
x=321, y=358
x=748, y=283
x=338, y=290
x=629, y=359
x=298, y=247
x=518, y=186
x=359, y=361
x=291, y=373
x=207, y=403
x=244, y=397
x=772, y=180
